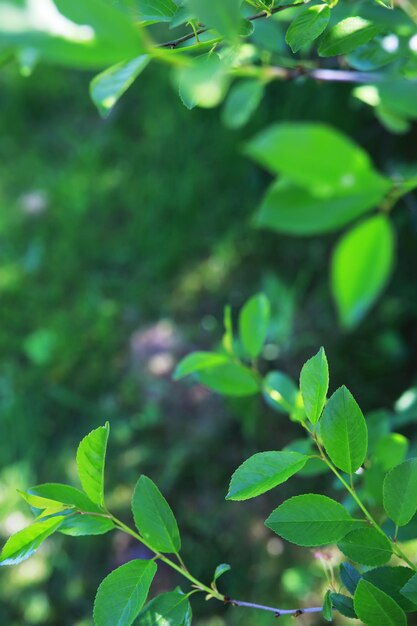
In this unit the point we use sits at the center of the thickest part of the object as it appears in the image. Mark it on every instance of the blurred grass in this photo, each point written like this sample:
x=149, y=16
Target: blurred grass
x=106, y=228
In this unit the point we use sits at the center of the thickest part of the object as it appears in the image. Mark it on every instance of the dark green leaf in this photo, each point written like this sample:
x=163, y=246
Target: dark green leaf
x=391, y=580
x=374, y=607
x=343, y=604
x=409, y=590
x=220, y=570
x=349, y=576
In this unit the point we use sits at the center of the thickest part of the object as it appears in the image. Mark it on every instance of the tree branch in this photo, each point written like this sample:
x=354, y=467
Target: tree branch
x=277, y=612
x=174, y=43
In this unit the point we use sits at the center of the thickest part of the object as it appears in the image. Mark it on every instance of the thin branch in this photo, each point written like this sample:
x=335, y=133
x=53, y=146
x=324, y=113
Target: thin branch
x=277, y=612
x=176, y=42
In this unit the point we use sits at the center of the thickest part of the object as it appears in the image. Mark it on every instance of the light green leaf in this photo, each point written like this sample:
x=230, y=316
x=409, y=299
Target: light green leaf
x=347, y=35
x=409, y=590
x=374, y=607
x=156, y=10
x=123, y=593
x=344, y=431
x=253, y=324
x=361, y=265
x=230, y=379
x=305, y=154
x=154, y=518
x=282, y=394
x=390, y=450
x=327, y=607
x=167, y=609
x=287, y=208
x=366, y=546
x=307, y=26
x=222, y=15
x=24, y=543
x=203, y=83
x=49, y=494
x=198, y=361
x=77, y=525
x=241, y=103
x=400, y=492
x=88, y=34
x=311, y=520
x=262, y=472
x=91, y=457
x=109, y=86
x=314, y=384
x=220, y=570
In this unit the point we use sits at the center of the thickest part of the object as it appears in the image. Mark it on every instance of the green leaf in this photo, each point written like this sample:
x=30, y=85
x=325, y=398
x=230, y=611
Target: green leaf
x=305, y=154
x=154, y=518
x=361, y=265
x=156, y=10
x=314, y=384
x=198, y=361
x=241, y=103
x=400, y=492
x=253, y=324
x=123, y=593
x=282, y=394
x=391, y=580
x=203, y=82
x=262, y=472
x=87, y=34
x=109, y=86
x=347, y=35
x=222, y=15
x=399, y=96
x=293, y=210
x=409, y=590
x=374, y=607
x=220, y=570
x=91, y=457
x=344, y=431
x=167, y=609
x=366, y=546
x=49, y=494
x=327, y=607
x=311, y=520
x=230, y=379
x=390, y=450
x=343, y=604
x=77, y=525
x=349, y=576
x=24, y=543
x=307, y=26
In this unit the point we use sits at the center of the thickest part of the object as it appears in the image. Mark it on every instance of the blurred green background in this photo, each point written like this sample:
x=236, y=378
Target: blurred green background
x=120, y=243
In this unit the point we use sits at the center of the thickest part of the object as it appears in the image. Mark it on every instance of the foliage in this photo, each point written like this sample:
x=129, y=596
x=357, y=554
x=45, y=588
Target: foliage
x=339, y=434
